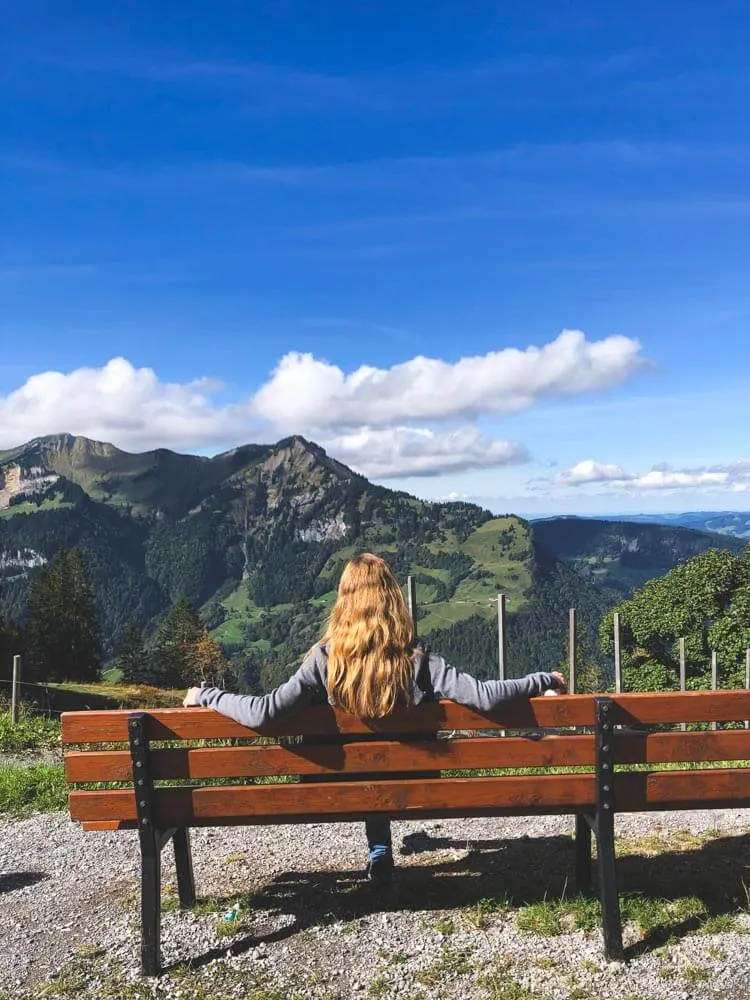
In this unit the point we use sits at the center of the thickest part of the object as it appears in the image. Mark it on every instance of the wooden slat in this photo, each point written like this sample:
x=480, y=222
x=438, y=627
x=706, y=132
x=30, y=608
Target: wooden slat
x=320, y=720
x=548, y=713
x=385, y=757
x=181, y=806
x=680, y=747
x=109, y=824
x=668, y=707
x=707, y=788
x=634, y=792
x=261, y=761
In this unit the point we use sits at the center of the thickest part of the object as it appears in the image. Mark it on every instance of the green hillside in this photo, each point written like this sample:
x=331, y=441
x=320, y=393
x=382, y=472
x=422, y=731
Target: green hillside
x=617, y=556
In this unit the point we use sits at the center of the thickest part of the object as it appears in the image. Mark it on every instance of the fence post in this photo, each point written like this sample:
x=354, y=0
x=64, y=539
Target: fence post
x=501, y=636
x=618, y=655
x=14, y=699
x=572, y=651
x=747, y=680
x=714, y=678
x=411, y=598
x=683, y=674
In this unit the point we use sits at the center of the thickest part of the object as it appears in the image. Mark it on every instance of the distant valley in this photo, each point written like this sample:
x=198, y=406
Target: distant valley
x=619, y=556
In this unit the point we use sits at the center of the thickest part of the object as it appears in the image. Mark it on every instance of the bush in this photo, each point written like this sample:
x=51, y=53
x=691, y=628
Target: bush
x=31, y=732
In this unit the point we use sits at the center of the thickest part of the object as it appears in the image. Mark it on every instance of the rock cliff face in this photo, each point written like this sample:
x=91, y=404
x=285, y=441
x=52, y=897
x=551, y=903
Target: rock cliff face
x=19, y=483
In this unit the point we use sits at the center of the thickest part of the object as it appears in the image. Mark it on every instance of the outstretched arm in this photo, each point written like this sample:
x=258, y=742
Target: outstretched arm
x=255, y=711
x=484, y=696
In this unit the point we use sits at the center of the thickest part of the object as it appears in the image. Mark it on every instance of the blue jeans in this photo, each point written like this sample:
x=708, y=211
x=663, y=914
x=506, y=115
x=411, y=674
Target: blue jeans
x=378, y=833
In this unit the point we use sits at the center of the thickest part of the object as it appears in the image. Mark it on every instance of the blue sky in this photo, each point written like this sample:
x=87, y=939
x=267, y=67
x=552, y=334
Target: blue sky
x=229, y=222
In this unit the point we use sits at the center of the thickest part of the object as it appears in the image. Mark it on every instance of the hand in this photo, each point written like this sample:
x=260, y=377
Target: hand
x=191, y=698
x=560, y=683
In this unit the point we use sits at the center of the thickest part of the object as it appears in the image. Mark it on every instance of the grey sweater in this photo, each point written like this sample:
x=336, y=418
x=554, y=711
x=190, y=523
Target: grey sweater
x=433, y=679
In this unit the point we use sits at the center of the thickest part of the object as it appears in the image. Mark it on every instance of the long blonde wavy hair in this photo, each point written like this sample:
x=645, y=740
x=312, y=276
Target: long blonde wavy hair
x=370, y=640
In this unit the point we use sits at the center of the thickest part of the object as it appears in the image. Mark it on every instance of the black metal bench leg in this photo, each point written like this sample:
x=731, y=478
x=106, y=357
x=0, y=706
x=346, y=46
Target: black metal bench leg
x=605, y=827
x=150, y=902
x=183, y=860
x=611, y=919
x=583, y=853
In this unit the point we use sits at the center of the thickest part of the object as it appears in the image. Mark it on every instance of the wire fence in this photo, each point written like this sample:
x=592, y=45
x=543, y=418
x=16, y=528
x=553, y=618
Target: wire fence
x=500, y=601
x=31, y=707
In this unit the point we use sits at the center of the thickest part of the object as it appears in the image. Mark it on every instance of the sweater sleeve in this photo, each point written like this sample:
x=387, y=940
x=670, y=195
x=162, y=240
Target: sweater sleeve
x=305, y=687
x=483, y=696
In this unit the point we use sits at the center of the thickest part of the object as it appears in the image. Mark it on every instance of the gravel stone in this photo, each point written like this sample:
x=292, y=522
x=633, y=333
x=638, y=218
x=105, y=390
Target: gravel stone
x=308, y=925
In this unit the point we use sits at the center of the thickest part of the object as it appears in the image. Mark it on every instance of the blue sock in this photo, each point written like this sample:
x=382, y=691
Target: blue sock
x=379, y=851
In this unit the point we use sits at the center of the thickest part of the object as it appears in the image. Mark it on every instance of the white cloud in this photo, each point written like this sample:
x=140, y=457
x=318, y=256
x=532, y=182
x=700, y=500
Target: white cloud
x=382, y=422
x=589, y=471
x=305, y=393
x=664, y=479
x=734, y=477
x=131, y=408
x=392, y=452
x=121, y=404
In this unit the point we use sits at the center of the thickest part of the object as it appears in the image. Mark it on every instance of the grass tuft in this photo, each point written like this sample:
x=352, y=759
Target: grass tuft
x=695, y=974
x=26, y=790
x=480, y=913
x=452, y=962
x=720, y=923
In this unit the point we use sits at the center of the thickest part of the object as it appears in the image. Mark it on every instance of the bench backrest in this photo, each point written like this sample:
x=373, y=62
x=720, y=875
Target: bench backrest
x=373, y=761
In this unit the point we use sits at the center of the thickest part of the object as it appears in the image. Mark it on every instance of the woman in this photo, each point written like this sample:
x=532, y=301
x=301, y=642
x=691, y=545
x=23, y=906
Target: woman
x=367, y=663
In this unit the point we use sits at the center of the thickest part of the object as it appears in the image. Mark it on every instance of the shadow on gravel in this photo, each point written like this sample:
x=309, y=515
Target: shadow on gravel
x=10, y=881
x=520, y=871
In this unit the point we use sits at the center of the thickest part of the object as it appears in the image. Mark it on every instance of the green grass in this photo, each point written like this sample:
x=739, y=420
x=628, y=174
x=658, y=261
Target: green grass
x=502, y=547
x=112, y=675
x=439, y=574
x=31, y=732
x=480, y=913
x=120, y=695
x=445, y=926
x=502, y=986
x=550, y=918
x=540, y=918
x=451, y=963
x=443, y=614
x=26, y=790
x=695, y=974
x=54, y=503
x=720, y=923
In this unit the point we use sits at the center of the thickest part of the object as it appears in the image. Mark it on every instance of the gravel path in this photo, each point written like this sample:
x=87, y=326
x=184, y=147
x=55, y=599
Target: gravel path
x=307, y=926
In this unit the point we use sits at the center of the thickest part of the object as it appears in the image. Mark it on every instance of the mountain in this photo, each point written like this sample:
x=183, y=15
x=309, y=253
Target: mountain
x=255, y=538
x=723, y=522
x=620, y=556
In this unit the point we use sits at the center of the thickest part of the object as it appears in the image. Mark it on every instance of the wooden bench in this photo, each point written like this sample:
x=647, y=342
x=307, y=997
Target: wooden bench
x=407, y=742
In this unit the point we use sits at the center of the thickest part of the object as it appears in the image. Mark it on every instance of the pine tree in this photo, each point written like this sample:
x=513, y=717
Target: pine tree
x=63, y=636
x=133, y=658
x=85, y=633
x=10, y=645
x=174, y=653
